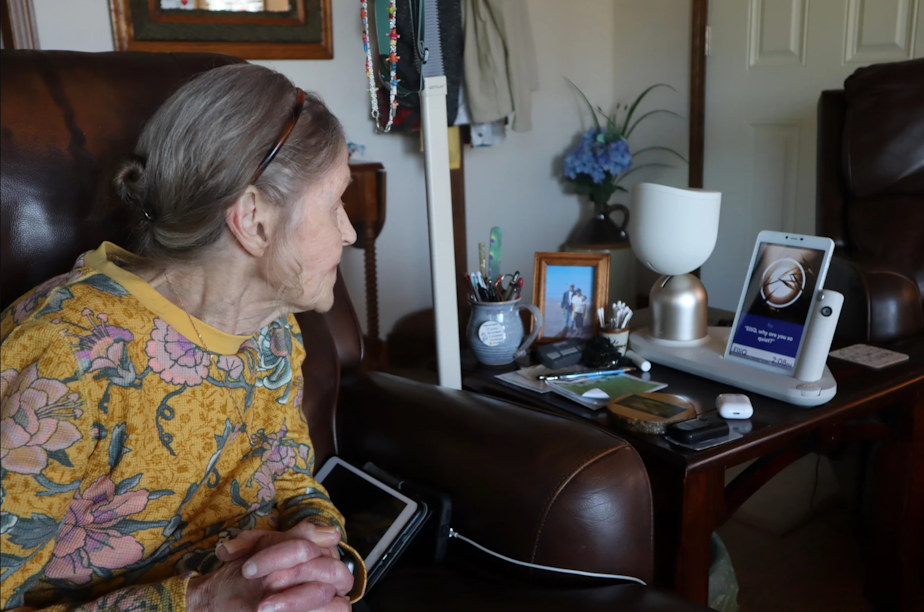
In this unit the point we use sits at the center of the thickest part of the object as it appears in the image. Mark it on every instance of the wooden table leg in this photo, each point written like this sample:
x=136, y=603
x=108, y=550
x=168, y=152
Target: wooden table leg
x=701, y=492
x=686, y=507
x=893, y=568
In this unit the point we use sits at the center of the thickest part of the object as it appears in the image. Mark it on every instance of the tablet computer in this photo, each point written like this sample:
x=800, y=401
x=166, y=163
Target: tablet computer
x=785, y=273
x=380, y=521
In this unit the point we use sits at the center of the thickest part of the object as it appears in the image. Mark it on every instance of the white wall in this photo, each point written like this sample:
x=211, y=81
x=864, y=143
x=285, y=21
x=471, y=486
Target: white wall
x=613, y=49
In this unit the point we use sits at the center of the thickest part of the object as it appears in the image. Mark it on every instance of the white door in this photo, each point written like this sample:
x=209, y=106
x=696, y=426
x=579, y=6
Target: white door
x=769, y=61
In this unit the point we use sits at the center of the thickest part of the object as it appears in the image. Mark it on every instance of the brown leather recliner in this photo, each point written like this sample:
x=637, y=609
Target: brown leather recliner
x=870, y=199
x=532, y=486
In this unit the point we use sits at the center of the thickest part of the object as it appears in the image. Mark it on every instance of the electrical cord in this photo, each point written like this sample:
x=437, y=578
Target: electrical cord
x=455, y=534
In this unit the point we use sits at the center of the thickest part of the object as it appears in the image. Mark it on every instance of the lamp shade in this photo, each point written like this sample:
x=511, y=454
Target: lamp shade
x=673, y=231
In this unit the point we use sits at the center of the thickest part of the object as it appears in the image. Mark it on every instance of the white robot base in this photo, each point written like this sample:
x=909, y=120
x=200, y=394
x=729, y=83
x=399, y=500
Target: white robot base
x=708, y=360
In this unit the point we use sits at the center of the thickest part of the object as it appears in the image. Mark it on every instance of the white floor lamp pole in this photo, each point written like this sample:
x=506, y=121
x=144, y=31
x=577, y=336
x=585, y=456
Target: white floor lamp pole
x=439, y=210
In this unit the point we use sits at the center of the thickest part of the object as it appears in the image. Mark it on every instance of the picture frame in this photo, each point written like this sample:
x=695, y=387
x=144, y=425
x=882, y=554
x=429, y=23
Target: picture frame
x=553, y=275
x=293, y=29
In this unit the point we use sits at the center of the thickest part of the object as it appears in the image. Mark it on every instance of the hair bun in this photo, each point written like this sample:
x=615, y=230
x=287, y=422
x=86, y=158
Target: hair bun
x=129, y=182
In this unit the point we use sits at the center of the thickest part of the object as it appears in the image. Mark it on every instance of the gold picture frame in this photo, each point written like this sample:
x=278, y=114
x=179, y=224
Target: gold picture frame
x=553, y=275
x=304, y=31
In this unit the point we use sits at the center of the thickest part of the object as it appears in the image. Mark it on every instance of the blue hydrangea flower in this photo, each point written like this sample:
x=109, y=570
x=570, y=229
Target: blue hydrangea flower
x=597, y=158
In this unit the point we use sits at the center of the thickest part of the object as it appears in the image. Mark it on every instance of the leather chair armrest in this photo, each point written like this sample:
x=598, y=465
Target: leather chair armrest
x=881, y=303
x=530, y=485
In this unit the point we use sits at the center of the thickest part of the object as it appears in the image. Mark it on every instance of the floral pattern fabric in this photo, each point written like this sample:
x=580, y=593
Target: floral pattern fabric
x=124, y=458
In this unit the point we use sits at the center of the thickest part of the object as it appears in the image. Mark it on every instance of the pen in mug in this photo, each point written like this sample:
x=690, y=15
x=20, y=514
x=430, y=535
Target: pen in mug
x=473, y=287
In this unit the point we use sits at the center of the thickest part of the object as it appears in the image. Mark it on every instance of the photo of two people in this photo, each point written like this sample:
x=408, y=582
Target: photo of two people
x=569, y=303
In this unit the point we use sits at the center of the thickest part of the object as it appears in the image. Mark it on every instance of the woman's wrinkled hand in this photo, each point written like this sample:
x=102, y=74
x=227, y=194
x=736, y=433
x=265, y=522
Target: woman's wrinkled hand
x=298, y=570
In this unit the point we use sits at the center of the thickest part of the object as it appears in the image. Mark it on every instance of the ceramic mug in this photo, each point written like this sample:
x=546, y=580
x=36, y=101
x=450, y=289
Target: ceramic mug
x=618, y=337
x=495, y=331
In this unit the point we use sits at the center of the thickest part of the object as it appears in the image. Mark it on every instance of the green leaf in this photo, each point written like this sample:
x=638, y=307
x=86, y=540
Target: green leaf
x=54, y=302
x=611, y=128
x=103, y=404
x=636, y=103
x=640, y=119
x=54, y=488
x=34, y=531
x=61, y=457
x=7, y=521
x=669, y=150
x=583, y=188
x=16, y=599
x=651, y=165
x=236, y=495
x=132, y=525
x=103, y=283
x=128, y=484
x=602, y=193
x=10, y=561
x=117, y=448
x=589, y=105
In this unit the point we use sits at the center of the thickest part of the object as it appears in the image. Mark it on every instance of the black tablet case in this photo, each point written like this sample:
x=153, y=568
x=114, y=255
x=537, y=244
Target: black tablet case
x=430, y=543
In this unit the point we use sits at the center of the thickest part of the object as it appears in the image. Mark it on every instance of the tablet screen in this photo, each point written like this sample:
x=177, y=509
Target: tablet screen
x=368, y=510
x=777, y=304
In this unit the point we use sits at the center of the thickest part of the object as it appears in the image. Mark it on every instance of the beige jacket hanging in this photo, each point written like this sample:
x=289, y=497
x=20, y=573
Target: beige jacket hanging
x=500, y=61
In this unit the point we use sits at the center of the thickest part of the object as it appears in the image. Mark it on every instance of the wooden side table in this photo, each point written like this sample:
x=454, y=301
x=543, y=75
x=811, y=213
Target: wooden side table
x=364, y=201
x=688, y=488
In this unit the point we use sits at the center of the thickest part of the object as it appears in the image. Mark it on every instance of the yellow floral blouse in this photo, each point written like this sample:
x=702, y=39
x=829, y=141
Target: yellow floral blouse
x=124, y=459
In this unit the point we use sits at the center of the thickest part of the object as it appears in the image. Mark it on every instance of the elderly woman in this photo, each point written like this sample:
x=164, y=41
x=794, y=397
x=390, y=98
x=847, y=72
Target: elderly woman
x=154, y=452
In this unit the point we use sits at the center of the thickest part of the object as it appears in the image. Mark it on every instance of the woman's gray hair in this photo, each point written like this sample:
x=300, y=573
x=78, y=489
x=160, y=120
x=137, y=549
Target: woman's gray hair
x=197, y=154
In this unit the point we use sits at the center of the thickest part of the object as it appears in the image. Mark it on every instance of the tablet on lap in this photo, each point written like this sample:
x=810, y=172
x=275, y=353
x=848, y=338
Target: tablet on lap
x=380, y=521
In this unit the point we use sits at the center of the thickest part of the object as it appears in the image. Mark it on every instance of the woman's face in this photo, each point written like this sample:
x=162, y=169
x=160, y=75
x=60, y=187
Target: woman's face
x=323, y=230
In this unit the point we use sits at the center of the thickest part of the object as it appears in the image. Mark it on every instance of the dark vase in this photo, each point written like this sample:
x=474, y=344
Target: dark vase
x=601, y=229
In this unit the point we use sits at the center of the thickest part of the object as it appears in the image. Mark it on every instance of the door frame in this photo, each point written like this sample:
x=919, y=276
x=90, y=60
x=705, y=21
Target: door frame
x=698, y=25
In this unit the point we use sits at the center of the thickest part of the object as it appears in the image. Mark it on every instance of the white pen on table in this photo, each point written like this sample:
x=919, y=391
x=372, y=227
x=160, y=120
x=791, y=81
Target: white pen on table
x=643, y=364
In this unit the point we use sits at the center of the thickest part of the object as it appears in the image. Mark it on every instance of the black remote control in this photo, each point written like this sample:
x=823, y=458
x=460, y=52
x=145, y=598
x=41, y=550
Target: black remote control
x=698, y=430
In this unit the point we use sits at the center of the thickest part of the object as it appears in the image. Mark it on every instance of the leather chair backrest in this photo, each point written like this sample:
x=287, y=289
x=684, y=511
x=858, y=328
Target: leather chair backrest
x=884, y=130
x=871, y=165
x=68, y=118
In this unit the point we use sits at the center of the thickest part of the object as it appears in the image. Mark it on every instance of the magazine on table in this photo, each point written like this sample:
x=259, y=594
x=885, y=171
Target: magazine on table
x=596, y=393
x=528, y=378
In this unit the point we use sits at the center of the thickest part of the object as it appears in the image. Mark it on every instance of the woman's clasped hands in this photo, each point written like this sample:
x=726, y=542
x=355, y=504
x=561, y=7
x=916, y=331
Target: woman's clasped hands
x=298, y=570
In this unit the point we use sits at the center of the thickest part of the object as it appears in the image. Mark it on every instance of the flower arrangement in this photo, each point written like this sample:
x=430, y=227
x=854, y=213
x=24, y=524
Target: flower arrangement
x=602, y=158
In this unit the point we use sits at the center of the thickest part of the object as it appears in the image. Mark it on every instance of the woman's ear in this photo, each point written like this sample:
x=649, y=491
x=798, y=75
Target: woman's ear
x=251, y=220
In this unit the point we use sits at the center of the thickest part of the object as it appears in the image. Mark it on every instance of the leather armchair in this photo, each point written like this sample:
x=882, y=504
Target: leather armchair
x=870, y=199
x=532, y=486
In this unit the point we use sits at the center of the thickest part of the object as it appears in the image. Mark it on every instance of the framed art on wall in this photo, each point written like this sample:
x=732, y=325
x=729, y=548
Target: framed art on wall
x=250, y=29
x=568, y=288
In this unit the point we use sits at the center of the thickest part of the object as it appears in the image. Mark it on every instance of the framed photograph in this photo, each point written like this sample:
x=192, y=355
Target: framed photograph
x=568, y=288
x=250, y=29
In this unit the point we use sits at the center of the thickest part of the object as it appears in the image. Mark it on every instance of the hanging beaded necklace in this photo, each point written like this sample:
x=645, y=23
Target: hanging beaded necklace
x=370, y=67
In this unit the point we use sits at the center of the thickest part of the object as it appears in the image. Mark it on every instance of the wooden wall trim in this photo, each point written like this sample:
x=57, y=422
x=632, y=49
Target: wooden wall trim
x=460, y=244
x=698, y=90
x=19, y=30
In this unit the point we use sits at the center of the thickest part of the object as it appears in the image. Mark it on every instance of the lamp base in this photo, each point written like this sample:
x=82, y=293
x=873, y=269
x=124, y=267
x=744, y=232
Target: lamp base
x=679, y=308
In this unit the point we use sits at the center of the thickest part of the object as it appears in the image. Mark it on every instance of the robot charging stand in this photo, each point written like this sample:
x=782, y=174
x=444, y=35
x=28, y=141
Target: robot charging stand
x=708, y=360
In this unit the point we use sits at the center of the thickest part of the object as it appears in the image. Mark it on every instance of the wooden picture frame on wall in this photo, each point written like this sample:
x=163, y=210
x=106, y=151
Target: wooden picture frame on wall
x=553, y=277
x=304, y=31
